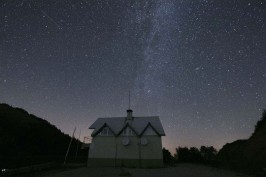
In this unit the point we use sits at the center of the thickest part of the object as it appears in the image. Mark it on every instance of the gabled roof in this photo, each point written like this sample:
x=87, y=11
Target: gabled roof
x=138, y=124
x=127, y=126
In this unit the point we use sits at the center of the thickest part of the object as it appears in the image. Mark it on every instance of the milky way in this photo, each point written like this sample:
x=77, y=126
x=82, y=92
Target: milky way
x=199, y=65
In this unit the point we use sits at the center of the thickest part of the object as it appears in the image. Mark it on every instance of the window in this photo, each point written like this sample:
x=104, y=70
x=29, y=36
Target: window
x=128, y=132
x=105, y=132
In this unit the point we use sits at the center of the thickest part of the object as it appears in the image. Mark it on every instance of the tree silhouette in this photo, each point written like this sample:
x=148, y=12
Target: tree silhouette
x=167, y=157
x=208, y=153
x=182, y=154
x=261, y=123
x=194, y=155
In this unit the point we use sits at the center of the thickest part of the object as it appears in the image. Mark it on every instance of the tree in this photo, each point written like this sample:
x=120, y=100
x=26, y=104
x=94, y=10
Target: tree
x=208, y=153
x=195, y=155
x=261, y=123
x=167, y=157
x=182, y=154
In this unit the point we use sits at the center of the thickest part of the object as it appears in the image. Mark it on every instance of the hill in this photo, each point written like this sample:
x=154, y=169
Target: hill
x=247, y=154
x=26, y=139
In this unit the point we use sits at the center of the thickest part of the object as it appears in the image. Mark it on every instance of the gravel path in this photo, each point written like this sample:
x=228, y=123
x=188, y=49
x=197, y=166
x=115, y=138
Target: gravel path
x=181, y=170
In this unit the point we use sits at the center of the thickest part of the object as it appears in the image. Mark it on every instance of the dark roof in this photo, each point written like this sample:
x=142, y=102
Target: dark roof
x=138, y=124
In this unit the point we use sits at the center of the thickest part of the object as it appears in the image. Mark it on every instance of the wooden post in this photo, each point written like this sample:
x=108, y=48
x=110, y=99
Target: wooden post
x=115, y=151
x=77, y=145
x=140, y=165
x=69, y=146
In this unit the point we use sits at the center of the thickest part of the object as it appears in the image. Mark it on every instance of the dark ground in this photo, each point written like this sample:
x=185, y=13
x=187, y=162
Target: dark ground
x=181, y=170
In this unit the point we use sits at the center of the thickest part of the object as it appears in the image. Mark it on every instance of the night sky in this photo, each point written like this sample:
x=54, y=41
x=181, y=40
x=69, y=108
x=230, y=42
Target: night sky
x=199, y=65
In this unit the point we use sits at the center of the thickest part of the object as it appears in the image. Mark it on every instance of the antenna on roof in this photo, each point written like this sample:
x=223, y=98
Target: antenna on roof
x=129, y=99
x=129, y=111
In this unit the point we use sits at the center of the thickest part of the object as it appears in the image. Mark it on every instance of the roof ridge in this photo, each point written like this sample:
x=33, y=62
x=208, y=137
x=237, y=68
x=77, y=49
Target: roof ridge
x=138, y=124
x=125, y=117
x=144, y=116
x=110, y=117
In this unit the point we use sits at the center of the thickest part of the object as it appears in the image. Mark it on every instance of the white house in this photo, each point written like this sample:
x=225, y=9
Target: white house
x=126, y=141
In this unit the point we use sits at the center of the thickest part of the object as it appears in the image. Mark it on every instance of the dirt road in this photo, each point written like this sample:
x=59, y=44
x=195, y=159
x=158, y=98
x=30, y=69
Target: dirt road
x=181, y=170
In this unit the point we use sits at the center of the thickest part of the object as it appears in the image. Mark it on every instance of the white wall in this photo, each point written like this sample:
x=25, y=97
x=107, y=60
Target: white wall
x=112, y=147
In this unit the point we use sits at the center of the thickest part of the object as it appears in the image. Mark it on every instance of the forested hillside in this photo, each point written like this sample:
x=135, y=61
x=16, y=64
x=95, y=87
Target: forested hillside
x=26, y=139
x=247, y=154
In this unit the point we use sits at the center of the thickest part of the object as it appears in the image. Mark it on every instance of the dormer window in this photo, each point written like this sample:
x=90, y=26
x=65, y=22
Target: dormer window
x=149, y=131
x=128, y=132
x=105, y=132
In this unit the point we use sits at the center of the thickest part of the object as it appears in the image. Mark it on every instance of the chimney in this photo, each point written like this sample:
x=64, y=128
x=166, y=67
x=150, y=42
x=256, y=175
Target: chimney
x=129, y=114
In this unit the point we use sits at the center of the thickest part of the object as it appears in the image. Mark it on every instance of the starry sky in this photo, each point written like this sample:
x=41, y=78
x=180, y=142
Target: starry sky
x=199, y=65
